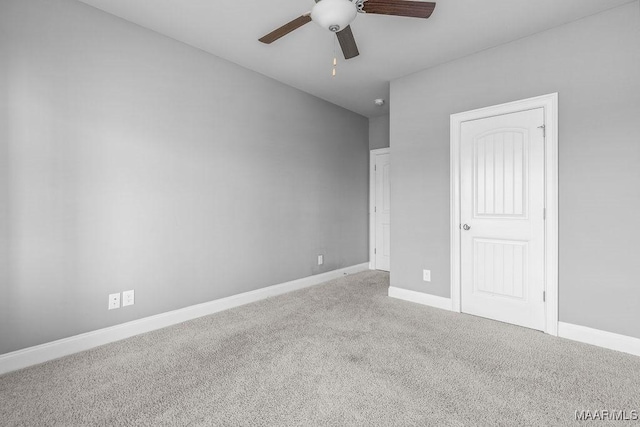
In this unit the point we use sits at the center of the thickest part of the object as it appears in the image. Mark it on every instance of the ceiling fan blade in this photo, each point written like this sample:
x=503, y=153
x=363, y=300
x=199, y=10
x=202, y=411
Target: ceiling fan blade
x=286, y=28
x=413, y=9
x=347, y=43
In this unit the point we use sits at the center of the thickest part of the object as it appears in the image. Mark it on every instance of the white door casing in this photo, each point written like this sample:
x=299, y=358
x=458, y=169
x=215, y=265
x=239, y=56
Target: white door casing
x=501, y=211
x=501, y=206
x=380, y=210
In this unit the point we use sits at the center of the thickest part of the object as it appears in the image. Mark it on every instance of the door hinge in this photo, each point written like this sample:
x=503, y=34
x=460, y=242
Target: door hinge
x=544, y=296
x=375, y=251
x=375, y=209
x=375, y=167
x=544, y=130
x=544, y=214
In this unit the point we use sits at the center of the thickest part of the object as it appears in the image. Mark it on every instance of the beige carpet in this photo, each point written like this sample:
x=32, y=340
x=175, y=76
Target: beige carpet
x=337, y=354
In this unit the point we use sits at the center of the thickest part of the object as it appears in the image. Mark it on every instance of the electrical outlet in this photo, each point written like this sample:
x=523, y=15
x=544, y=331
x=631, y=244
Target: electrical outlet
x=320, y=259
x=426, y=275
x=114, y=301
x=128, y=298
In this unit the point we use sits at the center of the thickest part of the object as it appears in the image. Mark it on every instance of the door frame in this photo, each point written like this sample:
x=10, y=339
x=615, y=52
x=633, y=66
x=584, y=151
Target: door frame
x=372, y=202
x=550, y=105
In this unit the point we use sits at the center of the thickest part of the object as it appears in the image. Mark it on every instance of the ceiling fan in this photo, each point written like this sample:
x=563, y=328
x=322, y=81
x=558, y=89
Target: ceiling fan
x=336, y=15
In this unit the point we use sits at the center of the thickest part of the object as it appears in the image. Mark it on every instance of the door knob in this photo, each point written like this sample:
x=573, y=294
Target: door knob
x=466, y=227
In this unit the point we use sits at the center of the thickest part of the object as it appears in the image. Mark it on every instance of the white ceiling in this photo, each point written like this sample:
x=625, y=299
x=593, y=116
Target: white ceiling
x=390, y=46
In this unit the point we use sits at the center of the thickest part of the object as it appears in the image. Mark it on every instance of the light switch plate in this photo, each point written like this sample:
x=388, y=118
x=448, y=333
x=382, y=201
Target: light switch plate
x=320, y=259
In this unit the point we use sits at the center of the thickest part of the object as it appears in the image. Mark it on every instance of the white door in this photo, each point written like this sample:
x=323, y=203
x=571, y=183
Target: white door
x=382, y=211
x=502, y=218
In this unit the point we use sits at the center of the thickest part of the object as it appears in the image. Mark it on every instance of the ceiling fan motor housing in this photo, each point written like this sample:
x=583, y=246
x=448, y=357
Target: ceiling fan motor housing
x=333, y=15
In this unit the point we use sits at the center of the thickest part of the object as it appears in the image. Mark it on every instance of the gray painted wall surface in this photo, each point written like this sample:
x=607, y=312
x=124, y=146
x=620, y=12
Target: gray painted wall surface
x=132, y=161
x=594, y=64
x=378, y=132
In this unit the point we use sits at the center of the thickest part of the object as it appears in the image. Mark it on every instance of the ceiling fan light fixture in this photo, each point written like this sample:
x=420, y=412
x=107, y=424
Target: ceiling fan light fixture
x=333, y=15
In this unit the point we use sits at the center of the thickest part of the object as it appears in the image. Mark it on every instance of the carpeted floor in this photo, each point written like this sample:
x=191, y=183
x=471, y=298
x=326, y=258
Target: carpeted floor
x=342, y=353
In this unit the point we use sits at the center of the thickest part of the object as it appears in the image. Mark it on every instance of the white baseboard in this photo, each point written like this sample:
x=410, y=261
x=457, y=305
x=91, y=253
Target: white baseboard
x=66, y=346
x=420, y=298
x=600, y=338
x=570, y=331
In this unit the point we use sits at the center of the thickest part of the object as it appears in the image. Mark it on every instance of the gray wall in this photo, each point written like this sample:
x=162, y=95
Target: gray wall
x=594, y=65
x=132, y=161
x=378, y=132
